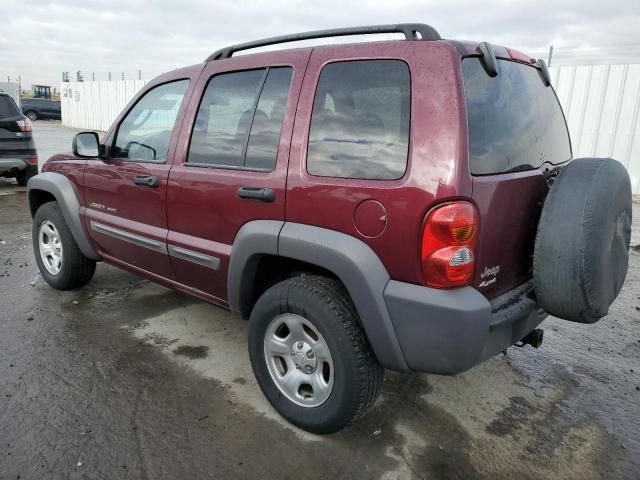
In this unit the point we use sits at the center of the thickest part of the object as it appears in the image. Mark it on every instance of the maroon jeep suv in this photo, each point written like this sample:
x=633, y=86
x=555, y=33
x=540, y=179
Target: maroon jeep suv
x=406, y=204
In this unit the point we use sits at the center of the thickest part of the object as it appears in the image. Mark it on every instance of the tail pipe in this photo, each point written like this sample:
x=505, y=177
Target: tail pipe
x=533, y=338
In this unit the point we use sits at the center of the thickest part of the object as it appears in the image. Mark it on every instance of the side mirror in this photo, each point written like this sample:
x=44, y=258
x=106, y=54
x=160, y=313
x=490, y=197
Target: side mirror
x=86, y=144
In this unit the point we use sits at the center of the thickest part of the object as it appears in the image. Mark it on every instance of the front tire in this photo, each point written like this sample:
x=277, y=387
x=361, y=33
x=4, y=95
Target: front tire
x=310, y=355
x=31, y=115
x=61, y=263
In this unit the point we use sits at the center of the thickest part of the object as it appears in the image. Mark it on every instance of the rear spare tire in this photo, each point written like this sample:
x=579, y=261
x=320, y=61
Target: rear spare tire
x=582, y=246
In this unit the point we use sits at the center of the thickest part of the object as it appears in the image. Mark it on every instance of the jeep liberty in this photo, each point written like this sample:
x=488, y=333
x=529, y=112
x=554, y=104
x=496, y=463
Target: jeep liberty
x=405, y=204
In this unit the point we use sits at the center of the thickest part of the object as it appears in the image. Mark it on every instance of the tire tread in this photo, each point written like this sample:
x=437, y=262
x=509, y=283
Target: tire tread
x=336, y=297
x=80, y=269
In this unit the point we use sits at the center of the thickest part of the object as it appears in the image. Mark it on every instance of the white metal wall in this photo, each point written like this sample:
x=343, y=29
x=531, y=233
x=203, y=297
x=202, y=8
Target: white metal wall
x=95, y=105
x=602, y=105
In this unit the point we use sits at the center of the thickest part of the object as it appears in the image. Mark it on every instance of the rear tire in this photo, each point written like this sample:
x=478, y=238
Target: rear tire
x=23, y=176
x=355, y=378
x=66, y=267
x=31, y=115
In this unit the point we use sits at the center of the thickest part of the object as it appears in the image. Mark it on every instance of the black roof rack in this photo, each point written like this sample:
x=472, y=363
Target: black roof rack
x=410, y=31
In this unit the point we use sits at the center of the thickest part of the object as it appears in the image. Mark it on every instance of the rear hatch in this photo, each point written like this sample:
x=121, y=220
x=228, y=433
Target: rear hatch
x=517, y=137
x=13, y=141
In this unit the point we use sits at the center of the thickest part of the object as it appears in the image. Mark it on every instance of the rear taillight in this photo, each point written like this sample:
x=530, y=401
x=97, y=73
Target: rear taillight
x=24, y=125
x=32, y=160
x=448, y=241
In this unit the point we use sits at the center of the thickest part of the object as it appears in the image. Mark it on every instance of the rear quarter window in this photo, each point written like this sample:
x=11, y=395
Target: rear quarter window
x=360, y=120
x=515, y=122
x=8, y=107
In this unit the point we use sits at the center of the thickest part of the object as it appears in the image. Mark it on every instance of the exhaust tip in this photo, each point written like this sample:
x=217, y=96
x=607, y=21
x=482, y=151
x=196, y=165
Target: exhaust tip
x=534, y=338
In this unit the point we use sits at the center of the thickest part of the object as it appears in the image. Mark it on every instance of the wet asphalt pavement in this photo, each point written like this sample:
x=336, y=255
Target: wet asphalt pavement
x=126, y=379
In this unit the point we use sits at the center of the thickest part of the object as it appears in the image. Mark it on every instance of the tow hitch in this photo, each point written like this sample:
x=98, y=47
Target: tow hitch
x=551, y=174
x=534, y=339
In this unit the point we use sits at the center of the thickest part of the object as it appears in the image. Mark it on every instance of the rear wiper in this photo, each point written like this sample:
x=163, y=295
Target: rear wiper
x=521, y=167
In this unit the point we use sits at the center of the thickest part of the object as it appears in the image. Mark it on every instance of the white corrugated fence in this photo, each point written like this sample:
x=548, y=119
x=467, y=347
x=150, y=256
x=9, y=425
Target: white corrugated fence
x=602, y=105
x=601, y=102
x=95, y=105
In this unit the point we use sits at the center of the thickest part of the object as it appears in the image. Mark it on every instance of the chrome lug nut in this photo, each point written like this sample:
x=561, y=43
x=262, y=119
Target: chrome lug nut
x=310, y=354
x=308, y=368
x=300, y=345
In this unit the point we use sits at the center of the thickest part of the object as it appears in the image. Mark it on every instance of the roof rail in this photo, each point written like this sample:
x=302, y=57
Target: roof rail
x=410, y=31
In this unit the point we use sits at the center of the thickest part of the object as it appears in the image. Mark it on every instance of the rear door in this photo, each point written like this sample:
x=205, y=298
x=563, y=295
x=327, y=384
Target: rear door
x=40, y=106
x=33, y=105
x=51, y=108
x=125, y=193
x=233, y=149
x=517, y=131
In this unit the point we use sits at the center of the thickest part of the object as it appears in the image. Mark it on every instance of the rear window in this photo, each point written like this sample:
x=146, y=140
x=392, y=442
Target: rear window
x=360, y=120
x=8, y=107
x=515, y=122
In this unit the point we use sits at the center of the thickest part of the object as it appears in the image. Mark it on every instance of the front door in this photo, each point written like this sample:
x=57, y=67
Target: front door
x=125, y=193
x=231, y=162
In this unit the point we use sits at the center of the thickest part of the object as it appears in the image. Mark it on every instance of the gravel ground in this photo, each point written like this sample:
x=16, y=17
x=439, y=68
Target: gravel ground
x=126, y=379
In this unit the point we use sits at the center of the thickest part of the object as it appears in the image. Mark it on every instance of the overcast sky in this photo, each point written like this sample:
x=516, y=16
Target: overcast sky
x=41, y=38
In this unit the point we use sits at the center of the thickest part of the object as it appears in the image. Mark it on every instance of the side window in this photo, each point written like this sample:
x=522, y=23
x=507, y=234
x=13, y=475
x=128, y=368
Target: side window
x=239, y=119
x=145, y=132
x=360, y=120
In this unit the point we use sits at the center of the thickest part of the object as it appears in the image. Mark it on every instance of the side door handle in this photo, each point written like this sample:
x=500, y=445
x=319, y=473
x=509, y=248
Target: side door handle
x=266, y=195
x=146, y=181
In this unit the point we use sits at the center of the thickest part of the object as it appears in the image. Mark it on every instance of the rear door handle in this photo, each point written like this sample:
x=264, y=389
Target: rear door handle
x=146, y=181
x=266, y=195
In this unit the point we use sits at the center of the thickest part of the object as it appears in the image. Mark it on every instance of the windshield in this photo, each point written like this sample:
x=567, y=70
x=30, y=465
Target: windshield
x=515, y=121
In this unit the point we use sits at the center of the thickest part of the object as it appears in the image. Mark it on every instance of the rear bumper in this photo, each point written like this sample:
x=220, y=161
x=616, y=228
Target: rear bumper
x=13, y=163
x=449, y=331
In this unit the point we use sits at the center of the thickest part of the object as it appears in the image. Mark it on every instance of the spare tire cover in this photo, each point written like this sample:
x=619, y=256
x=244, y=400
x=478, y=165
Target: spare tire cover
x=581, y=251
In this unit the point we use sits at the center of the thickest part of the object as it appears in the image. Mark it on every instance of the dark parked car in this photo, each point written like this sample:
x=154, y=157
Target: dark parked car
x=409, y=204
x=41, y=108
x=18, y=157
